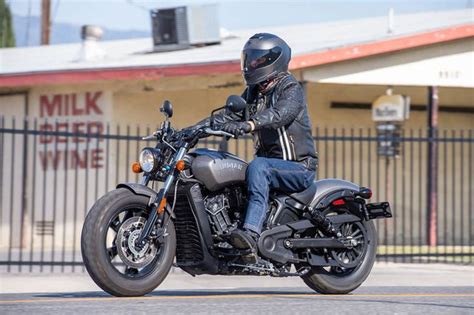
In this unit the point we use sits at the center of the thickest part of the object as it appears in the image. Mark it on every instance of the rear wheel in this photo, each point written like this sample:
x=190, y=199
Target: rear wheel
x=108, y=246
x=357, y=261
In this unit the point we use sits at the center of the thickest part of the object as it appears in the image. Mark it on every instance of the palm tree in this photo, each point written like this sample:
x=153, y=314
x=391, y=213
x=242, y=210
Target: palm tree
x=7, y=36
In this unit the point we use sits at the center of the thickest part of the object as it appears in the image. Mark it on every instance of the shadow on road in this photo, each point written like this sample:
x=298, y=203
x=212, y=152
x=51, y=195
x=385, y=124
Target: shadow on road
x=181, y=293
x=440, y=297
x=412, y=303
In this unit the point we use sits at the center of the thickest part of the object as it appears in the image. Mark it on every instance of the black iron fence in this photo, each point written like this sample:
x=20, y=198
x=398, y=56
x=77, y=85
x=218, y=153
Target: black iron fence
x=52, y=172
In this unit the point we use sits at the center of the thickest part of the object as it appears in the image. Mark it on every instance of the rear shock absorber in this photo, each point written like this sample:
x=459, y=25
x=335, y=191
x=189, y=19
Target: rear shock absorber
x=323, y=222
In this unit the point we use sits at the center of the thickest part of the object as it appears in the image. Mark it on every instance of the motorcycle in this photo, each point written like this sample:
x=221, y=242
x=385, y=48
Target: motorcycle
x=134, y=234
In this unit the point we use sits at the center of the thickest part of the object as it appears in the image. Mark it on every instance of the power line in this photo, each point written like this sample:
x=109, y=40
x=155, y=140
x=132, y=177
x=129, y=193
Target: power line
x=137, y=5
x=55, y=11
x=28, y=18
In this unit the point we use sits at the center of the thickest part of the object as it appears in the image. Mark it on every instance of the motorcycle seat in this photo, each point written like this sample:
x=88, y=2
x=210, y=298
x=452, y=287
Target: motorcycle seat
x=322, y=187
x=306, y=195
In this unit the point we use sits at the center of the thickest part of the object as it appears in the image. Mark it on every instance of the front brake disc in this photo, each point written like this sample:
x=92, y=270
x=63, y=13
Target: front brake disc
x=127, y=235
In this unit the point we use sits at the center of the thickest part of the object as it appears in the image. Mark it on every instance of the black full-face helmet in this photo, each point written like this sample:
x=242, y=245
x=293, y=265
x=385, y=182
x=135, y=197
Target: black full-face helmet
x=263, y=57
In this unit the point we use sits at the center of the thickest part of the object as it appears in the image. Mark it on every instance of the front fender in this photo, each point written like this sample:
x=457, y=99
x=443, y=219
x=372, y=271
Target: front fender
x=138, y=189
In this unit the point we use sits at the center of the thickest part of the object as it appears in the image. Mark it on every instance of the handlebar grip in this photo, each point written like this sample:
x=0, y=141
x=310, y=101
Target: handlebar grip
x=218, y=133
x=149, y=137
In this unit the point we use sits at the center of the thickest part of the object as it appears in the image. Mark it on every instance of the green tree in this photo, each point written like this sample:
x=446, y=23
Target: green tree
x=7, y=36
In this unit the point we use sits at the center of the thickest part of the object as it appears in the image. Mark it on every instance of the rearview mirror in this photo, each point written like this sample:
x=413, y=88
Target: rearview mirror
x=235, y=103
x=167, y=109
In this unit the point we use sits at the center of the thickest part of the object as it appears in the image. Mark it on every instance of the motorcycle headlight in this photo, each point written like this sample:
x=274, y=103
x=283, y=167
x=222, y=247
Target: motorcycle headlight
x=149, y=160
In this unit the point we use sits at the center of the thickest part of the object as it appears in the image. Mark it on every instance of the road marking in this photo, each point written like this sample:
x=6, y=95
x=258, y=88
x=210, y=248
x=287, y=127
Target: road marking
x=225, y=296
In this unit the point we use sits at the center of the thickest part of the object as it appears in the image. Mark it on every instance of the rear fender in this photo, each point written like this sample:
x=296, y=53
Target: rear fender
x=356, y=206
x=331, y=189
x=327, y=190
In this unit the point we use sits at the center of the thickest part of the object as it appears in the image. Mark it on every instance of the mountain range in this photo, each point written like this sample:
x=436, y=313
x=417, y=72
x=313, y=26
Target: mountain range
x=27, y=32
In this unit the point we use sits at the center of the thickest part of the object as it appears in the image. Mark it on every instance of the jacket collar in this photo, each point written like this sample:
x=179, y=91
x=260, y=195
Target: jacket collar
x=268, y=86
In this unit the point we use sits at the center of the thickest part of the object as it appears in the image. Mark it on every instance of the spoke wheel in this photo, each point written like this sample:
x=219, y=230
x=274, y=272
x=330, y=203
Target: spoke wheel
x=352, y=256
x=355, y=262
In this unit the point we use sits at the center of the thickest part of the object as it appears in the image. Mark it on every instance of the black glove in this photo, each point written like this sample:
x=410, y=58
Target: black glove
x=190, y=131
x=237, y=128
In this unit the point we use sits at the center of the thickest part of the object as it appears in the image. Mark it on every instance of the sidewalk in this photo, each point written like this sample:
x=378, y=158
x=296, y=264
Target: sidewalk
x=383, y=274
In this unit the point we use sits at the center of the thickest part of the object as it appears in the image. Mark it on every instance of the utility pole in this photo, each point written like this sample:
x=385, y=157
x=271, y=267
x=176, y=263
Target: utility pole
x=432, y=193
x=45, y=21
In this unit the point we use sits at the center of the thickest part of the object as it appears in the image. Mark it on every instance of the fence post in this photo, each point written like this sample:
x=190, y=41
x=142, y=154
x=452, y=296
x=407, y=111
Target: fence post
x=24, y=193
x=432, y=191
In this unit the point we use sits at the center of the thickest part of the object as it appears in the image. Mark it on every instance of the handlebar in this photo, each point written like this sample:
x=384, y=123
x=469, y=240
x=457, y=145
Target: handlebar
x=218, y=133
x=207, y=130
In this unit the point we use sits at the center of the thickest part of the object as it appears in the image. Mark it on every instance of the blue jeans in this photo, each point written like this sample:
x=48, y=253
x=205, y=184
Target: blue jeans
x=265, y=174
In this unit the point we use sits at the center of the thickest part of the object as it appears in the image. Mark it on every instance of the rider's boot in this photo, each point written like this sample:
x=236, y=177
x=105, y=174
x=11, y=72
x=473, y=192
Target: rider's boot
x=245, y=239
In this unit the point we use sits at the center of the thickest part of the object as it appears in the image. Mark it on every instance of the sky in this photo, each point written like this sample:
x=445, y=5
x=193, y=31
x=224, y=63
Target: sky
x=233, y=14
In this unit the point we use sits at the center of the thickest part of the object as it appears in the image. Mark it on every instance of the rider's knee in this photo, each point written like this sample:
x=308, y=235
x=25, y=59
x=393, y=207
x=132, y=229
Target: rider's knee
x=258, y=167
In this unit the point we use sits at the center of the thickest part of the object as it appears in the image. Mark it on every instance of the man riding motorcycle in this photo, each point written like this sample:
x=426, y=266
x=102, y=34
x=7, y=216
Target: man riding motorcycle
x=132, y=235
x=277, y=117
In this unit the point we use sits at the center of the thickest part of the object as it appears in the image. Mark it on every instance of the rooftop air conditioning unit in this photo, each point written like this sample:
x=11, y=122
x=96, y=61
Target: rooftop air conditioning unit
x=183, y=27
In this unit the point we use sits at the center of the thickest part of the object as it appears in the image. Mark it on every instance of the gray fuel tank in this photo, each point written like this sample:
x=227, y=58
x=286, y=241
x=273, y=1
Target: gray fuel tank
x=217, y=169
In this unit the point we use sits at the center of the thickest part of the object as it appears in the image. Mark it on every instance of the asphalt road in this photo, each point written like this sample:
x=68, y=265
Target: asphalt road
x=391, y=289
x=371, y=300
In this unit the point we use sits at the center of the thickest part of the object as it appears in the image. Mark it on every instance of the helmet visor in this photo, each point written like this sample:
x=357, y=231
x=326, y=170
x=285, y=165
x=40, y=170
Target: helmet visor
x=253, y=59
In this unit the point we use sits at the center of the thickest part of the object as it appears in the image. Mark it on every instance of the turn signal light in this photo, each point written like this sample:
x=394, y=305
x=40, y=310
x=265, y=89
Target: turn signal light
x=161, y=208
x=180, y=165
x=136, y=168
x=365, y=193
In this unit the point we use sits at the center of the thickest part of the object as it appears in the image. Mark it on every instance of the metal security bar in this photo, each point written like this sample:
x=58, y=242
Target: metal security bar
x=51, y=173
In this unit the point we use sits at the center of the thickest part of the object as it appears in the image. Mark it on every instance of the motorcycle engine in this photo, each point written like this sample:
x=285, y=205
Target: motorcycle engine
x=218, y=208
x=223, y=211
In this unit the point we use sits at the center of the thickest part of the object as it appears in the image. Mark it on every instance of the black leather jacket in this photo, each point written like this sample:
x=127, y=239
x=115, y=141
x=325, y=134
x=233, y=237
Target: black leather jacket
x=282, y=126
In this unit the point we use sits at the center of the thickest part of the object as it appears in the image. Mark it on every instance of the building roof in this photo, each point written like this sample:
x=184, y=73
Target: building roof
x=312, y=44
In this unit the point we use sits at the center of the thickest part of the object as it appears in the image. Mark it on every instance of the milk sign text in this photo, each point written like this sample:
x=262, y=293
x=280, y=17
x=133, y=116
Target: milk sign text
x=79, y=114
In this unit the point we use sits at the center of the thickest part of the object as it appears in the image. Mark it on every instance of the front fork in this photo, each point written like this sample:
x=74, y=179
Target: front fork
x=156, y=210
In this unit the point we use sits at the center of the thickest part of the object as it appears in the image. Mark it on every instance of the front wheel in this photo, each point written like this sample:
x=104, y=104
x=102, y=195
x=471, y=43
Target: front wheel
x=359, y=262
x=108, y=246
